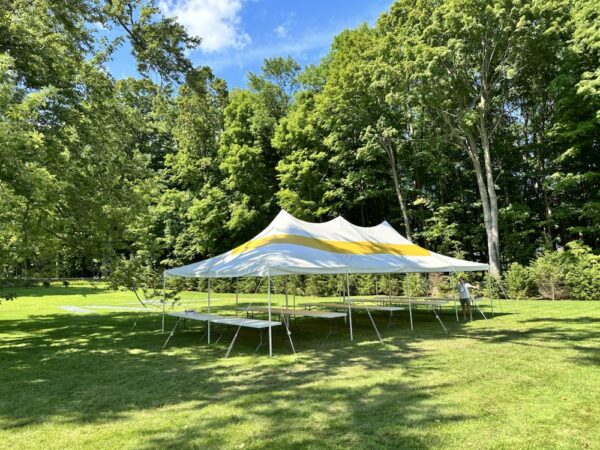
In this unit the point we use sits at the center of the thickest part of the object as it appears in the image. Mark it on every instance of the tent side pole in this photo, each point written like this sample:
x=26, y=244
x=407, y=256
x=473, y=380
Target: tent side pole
x=409, y=302
x=208, y=321
x=489, y=289
x=349, y=306
x=237, y=292
x=163, y=303
x=294, y=295
x=269, y=300
x=454, y=294
x=390, y=287
x=286, y=293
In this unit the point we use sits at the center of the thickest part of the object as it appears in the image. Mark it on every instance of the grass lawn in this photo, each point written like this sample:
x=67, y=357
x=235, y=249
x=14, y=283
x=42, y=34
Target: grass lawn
x=88, y=380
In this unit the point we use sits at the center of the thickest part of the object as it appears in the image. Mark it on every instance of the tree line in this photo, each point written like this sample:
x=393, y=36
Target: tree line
x=471, y=126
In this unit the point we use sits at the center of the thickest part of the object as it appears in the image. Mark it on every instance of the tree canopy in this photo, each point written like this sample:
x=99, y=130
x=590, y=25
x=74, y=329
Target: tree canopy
x=471, y=126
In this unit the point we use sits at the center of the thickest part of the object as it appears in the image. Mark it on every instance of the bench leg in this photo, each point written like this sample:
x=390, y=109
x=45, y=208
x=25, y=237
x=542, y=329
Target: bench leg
x=171, y=335
x=220, y=336
x=330, y=330
x=287, y=330
x=374, y=326
x=440, y=320
x=261, y=341
x=232, y=342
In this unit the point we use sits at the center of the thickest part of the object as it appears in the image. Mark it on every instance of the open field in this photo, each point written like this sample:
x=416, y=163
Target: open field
x=88, y=380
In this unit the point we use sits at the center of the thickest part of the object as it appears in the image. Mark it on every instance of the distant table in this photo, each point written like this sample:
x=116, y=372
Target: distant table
x=289, y=312
x=434, y=303
x=344, y=305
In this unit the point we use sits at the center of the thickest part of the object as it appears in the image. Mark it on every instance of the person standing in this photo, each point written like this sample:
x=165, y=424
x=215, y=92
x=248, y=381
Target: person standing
x=465, y=297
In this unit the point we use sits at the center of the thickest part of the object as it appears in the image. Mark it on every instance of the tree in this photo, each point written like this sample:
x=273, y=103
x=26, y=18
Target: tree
x=190, y=212
x=464, y=56
x=135, y=276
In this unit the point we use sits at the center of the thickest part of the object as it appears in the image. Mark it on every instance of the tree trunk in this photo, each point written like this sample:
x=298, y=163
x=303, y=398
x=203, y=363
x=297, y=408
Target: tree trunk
x=389, y=149
x=402, y=203
x=489, y=204
x=491, y=191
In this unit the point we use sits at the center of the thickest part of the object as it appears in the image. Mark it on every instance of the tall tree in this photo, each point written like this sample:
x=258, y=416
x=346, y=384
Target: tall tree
x=463, y=55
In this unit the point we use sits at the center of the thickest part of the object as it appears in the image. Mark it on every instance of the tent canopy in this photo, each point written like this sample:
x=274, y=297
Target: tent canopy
x=291, y=246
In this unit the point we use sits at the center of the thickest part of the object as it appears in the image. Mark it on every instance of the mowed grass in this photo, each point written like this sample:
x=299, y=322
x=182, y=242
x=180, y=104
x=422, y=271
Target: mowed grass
x=524, y=380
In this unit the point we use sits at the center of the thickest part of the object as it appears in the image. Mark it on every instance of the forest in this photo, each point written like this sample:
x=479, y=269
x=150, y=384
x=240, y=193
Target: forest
x=473, y=127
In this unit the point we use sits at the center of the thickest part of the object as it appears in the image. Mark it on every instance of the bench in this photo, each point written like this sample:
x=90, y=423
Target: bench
x=224, y=320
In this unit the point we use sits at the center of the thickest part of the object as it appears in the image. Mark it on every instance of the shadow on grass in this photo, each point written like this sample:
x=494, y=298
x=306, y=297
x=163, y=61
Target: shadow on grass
x=559, y=333
x=575, y=320
x=89, y=369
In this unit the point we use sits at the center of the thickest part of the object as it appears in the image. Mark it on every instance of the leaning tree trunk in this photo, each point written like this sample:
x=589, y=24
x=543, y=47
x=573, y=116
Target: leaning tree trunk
x=489, y=202
x=402, y=203
x=491, y=191
x=389, y=149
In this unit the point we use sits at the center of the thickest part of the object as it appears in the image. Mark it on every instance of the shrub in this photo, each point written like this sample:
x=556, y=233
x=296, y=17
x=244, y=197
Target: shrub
x=519, y=282
x=416, y=284
x=324, y=286
x=391, y=284
x=65, y=283
x=549, y=271
x=583, y=278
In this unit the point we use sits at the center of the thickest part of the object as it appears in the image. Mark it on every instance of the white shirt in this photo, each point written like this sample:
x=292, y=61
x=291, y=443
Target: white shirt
x=463, y=290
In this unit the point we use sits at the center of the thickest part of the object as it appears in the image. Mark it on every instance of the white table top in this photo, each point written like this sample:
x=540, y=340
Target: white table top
x=225, y=320
x=296, y=312
x=406, y=301
x=365, y=307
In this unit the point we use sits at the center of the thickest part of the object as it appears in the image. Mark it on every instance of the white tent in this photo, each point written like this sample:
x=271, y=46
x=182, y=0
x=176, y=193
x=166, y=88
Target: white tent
x=290, y=246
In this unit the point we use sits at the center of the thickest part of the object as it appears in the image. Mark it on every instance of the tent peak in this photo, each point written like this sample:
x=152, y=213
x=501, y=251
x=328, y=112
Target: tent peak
x=341, y=219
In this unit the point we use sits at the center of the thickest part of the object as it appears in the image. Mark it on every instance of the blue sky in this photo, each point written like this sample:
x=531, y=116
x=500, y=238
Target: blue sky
x=239, y=34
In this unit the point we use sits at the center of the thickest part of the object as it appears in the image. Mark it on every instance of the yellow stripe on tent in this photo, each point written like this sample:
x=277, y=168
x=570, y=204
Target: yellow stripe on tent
x=351, y=248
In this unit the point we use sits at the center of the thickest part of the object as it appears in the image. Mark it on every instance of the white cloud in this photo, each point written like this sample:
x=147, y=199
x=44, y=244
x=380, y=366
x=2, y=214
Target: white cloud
x=300, y=49
x=217, y=22
x=281, y=30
